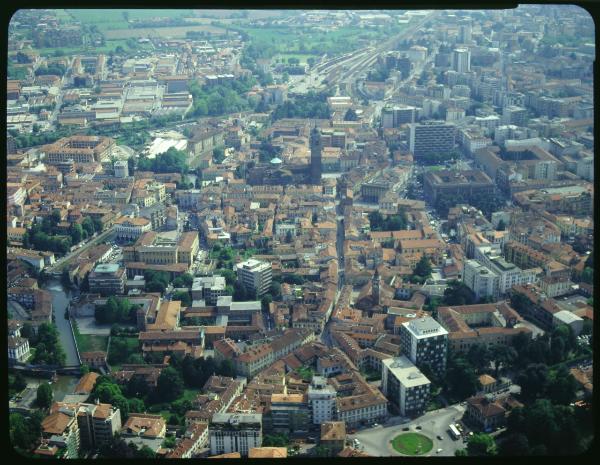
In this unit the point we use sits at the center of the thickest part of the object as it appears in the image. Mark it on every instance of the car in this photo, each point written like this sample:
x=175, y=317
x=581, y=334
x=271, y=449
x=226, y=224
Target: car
x=406, y=428
x=438, y=451
x=419, y=427
x=439, y=438
x=375, y=424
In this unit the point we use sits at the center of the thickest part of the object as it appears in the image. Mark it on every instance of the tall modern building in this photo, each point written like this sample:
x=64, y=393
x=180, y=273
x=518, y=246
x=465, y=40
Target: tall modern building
x=425, y=342
x=431, y=137
x=404, y=385
x=394, y=116
x=121, y=168
x=321, y=399
x=255, y=275
x=461, y=60
x=235, y=432
x=316, y=147
x=464, y=33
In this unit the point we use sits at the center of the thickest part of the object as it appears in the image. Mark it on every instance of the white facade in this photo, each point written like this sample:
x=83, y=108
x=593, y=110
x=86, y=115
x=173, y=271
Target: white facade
x=18, y=349
x=404, y=385
x=121, y=169
x=480, y=279
x=461, y=60
x=235, y=432
x=255, y=275
x=321, y=397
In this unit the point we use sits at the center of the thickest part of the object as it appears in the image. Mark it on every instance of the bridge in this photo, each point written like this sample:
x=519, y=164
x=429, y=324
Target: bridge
x=47, y=371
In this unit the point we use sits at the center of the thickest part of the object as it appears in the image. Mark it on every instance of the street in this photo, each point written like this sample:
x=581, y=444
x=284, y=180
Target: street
x=376, y=441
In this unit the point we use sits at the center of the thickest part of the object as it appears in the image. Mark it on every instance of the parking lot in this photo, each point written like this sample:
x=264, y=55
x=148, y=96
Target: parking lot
x=375, y=441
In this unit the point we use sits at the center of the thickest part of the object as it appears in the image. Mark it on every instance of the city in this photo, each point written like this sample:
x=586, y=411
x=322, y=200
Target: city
x=300, y=233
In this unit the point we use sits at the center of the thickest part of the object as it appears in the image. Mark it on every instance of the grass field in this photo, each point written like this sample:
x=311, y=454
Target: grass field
x=110, y=19
x=109, y=45
x=176, y=32
x=91, y=343
x=301, y=56
x=412, y=444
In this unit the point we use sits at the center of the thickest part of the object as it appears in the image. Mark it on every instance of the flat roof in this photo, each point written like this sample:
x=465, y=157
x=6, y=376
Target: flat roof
x=406, y=372
x=107, y=268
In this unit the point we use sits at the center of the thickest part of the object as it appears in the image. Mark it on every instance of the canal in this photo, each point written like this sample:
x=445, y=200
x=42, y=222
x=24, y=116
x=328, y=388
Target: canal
x=60, y=300
x=61, y=386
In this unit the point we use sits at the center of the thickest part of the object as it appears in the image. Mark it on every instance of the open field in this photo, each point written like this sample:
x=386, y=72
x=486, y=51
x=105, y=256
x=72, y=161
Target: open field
x=106, y=48
x=108, y=19
x=175, y=32
x=91, y=343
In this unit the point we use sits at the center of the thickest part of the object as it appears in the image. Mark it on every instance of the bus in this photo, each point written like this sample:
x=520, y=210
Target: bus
x=454, y=432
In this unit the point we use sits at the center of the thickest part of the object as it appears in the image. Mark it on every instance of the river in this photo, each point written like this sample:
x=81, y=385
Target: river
x=63, y=385
x=60, y=300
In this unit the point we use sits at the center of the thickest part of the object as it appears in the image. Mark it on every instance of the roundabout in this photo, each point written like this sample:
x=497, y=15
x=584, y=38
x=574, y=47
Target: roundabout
x=412, y=444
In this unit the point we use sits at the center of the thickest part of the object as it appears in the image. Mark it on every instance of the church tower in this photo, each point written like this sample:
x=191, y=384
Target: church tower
x=376, y=288
x=316, y=147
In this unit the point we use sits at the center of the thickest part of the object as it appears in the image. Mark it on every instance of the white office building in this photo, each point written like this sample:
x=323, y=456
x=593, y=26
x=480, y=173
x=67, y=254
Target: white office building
x=461, y=60
x=425, y=342
x=255, y=276
x=480, y=279
x=235, y=432
x=405, y=386
x=321, y=399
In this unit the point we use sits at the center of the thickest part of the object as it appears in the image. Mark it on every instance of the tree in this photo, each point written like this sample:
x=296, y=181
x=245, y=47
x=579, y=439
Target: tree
x=458, y=293
x=561, y=387
x=481, y=444
x=218, y=155
x=184, y=297
x=501, y=226
x=19, y=382
x=533, y=381
x=44, y=396
x=515, y=445
x=350, y=115
x=502, y=356
x=170, y=385
x=25, y=432
x=461, y=453
x=461, y=379
x=479, y=356
x=136, y=405
x=423, y=267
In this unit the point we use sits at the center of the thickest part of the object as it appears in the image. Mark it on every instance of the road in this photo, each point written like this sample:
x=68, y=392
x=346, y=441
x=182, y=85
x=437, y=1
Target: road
x=376, y=441
x=62, y=262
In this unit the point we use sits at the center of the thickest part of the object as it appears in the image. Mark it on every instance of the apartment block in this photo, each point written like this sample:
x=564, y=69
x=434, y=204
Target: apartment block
x=405, y=386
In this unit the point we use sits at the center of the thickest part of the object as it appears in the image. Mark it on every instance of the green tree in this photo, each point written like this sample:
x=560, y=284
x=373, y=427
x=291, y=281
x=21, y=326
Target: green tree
x=479, y=356
x=423, y=267
x=44, y=396
x=501, y=226
x=502, y=356
x=481, y=444
x=184, y=297
x=170, y=385
x=561, y=387
x=458, y=293
x=218, y=155
x=350, y=115
x=533, y=381
x=515, y=445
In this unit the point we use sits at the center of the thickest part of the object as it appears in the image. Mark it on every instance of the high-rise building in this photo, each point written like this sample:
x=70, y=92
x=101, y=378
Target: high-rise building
x=480, y=279
x=393, y=117
x=121, y=169
x=424, y=341
x=315, y=156
x=235, y=432
x=321, y=399
x=431, y=137
x=255, y=276
x=404, y=385
x=464, y=33
x=107, y=279
x=461, y=60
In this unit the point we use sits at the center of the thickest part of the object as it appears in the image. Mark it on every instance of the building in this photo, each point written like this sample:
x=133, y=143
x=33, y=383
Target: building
x=333, y=436
x=316, y=146
x=97, y=423
x=405, y=386
x=395, y=116
x=565, y=317
x=255, y=276
x=80, y=149
x=461, y=60
x=290, y=414
x=208, y=288
x=132, y=228
x=235, y=432
x=60, y=433
x=268, y=453
x=143, y=429
x=431, y=137
x=121, y=168
x=107, y=279
x=480, y=279
x=425, y=342
x=486, y=324
x=321, y=399
x=470, y=185
x=18, y=349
